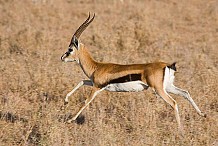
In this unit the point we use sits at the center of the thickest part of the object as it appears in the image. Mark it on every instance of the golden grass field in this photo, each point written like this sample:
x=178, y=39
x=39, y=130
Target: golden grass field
x=34, y=82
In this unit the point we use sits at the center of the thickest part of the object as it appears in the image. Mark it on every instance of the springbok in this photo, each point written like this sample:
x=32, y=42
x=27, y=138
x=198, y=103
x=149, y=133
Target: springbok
x=159, y=76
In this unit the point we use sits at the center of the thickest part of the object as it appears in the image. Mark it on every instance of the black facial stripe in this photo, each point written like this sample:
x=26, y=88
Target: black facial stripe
x=75, y=45
x=72, y=44
x=67, y=53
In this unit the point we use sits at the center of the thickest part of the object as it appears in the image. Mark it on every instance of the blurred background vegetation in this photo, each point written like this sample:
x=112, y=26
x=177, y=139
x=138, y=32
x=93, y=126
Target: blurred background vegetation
x=34, y=82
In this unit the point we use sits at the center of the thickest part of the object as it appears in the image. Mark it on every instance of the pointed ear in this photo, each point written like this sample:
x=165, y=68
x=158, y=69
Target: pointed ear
x=75, y=42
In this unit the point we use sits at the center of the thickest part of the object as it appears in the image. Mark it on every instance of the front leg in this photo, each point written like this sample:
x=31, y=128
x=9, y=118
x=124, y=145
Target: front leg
x=83, y=82
x=95, y=92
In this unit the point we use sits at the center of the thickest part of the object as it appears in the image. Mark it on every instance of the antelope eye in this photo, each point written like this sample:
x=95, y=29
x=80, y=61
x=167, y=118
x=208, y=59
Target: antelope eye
x=70, y=50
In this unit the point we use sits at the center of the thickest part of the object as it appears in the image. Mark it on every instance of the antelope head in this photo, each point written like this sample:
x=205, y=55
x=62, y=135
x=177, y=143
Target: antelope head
x=72, y=53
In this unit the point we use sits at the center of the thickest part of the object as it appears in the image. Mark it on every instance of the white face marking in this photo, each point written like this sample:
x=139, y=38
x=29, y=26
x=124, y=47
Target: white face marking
x=168, y=78
x=68, y=60
x=72, y=52
x=133, y=86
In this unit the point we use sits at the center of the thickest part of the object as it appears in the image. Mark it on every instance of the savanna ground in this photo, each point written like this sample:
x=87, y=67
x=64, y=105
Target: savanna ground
x=34, y=82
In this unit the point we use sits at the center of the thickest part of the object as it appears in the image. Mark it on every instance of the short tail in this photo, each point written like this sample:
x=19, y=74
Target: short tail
x=172, y=66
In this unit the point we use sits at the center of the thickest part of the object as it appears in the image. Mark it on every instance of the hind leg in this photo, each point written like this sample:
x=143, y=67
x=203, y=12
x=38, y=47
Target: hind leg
x=163, y=94
x=175, y=90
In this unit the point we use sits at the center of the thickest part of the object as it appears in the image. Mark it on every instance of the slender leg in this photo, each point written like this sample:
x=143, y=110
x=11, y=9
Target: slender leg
x=84, y=82
x=162, y=93
x=89, y=100
x=175, y=90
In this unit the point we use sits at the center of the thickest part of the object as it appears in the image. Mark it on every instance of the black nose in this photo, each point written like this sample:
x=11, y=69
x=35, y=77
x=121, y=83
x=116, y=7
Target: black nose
x=63, y=56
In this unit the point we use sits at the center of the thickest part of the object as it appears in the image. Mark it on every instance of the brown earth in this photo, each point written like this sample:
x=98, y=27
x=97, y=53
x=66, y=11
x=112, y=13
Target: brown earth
x=34, y=82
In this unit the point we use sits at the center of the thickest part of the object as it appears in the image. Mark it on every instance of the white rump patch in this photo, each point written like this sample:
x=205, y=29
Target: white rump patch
x=133, y=86
x=168, y=78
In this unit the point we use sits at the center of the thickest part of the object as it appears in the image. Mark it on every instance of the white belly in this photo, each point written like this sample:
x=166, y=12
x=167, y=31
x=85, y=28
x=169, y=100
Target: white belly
x=133, y=86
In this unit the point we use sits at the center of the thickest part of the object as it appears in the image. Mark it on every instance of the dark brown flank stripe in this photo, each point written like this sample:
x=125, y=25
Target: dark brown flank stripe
x=127, y=78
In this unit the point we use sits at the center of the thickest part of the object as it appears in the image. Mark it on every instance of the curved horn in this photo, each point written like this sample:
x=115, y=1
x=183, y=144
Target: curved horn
x=83, y=27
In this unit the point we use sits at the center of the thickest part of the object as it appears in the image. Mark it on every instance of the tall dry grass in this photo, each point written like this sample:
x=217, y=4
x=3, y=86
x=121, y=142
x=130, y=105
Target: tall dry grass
x=33, y=80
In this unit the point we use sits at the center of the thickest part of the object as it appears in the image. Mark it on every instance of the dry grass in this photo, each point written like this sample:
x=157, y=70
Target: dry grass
x=33, y=80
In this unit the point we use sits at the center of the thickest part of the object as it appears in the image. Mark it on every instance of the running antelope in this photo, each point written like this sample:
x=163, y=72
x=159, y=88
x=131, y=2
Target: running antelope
x=159, y=76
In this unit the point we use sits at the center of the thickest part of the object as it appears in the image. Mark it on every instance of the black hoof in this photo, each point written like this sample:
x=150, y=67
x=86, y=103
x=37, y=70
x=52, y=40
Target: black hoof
x=65, y=103
x=80, y=120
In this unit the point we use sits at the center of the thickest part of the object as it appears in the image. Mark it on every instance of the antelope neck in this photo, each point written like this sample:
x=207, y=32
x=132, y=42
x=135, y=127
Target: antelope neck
x=86, y=62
